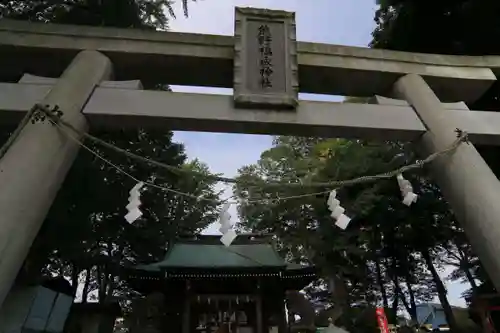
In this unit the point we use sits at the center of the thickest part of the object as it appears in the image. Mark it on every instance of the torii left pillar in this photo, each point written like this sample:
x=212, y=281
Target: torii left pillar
x=35, y=166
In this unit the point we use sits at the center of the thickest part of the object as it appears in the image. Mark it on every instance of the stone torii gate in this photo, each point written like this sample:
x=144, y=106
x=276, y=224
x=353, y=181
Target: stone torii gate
x=263, y=62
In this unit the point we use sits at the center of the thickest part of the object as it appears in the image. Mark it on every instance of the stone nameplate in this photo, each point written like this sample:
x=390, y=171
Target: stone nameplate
x=265, y=59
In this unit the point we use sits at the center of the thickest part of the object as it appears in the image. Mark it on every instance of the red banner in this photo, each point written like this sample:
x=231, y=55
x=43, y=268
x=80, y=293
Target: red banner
x=382, y=320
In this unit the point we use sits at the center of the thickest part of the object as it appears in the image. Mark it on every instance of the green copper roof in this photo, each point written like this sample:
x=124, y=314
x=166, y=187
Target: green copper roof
x=207, y=252
x=190, y=255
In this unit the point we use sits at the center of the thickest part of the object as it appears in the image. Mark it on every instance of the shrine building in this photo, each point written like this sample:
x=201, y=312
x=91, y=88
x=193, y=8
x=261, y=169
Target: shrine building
x=204, y=286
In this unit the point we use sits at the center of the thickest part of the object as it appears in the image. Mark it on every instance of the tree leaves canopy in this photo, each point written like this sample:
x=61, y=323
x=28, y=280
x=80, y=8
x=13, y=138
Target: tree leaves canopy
x=89, y=210
x=115, y=13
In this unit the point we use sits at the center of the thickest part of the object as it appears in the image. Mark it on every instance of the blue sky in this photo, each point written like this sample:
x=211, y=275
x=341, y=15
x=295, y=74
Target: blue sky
x=345, y=22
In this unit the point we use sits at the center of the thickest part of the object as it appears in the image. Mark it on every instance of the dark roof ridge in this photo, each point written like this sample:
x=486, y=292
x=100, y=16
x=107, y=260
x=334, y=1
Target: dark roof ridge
x=242, y=239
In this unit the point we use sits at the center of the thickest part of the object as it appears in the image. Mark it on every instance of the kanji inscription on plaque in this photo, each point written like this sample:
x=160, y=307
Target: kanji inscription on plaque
x=265, y=64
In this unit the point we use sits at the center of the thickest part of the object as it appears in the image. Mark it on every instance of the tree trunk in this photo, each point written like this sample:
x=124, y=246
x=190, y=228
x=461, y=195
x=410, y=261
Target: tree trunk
x=380, y=282
x=393, y=316
x=110, y=277
x=102, y=275
x=111, y=285
x=376, y=243
x=465, y=266
x=470, y=278
x=74, y=278
x=407, y=306
x=441, y=290
x=86, y=285
x=413, y=304
x=399, y=291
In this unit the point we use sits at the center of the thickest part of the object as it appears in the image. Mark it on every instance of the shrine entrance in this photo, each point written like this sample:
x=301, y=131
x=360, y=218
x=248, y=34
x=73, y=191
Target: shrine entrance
x=226, y=313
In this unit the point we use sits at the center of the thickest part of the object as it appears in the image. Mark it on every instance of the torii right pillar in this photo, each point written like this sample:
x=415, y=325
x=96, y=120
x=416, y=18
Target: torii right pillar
x=465, y=179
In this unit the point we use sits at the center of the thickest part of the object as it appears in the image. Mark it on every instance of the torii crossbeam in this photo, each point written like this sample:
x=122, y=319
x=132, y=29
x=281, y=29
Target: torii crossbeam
x=74, y=66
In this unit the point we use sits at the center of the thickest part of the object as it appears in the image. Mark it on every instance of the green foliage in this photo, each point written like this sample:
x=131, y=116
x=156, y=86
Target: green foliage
x=460, y=27
x=89, y=210
x=382, y=254
x=115, y=13
x=85, y=237
x=445, y=27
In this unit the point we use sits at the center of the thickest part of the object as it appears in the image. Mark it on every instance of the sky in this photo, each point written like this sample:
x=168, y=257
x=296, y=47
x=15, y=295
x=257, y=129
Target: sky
x=344, y=22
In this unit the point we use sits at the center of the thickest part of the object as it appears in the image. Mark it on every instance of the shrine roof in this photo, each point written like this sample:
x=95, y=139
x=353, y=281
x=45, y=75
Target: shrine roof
x=207, y=252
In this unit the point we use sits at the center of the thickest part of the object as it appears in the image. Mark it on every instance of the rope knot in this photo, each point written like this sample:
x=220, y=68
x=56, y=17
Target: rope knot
x=462, y=135
x=42, y=112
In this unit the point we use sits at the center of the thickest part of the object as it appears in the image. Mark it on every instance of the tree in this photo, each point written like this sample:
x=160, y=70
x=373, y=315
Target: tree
x=381, y=254
x=413, y=26
x=89, y=208
x=459, y=255
x=150, y=14
x=89, y=211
